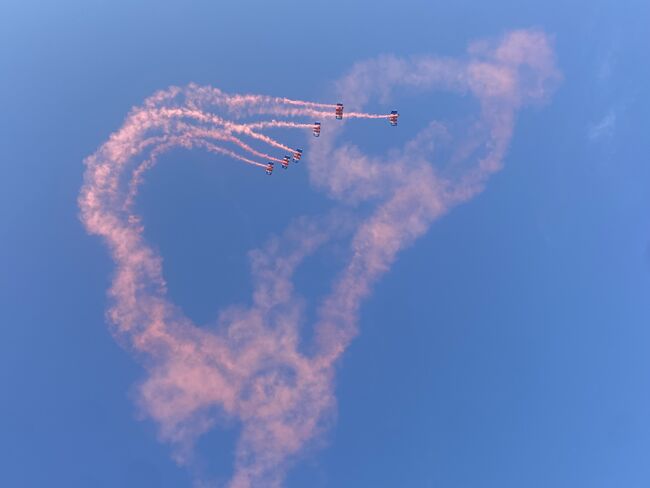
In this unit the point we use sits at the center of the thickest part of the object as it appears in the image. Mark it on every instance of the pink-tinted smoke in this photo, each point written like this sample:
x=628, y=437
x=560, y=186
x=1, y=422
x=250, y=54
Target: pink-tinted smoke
x=251, y=367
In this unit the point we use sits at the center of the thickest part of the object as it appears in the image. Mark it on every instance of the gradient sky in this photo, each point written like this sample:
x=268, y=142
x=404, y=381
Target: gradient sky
x=506, y=348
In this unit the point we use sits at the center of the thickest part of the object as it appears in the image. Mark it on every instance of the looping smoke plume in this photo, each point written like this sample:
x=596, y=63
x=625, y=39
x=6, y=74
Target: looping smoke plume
x=252, y=367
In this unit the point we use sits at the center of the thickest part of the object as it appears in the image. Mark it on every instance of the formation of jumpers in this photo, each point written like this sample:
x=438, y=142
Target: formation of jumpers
x=306, y=108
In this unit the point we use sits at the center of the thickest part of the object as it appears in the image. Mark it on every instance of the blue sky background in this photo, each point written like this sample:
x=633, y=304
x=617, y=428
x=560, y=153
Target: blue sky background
x=507, y=348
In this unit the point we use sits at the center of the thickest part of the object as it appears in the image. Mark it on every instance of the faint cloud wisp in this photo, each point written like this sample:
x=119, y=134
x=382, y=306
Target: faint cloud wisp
x=604, y=128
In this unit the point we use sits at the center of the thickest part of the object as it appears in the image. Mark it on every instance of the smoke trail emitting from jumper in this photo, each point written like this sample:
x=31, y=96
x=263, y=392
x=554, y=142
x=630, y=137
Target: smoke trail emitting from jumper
x=251, y=367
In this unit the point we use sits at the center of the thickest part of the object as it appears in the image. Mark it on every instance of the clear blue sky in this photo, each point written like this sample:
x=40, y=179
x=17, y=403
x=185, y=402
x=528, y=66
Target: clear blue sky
x=507, y=348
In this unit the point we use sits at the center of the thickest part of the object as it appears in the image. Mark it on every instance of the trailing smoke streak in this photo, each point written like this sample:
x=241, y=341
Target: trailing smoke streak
x=278, y=124
x=359, y=115
x=308, y=104
x=251, y=368
x=161, y=145
x=218, y=121
x=244, y=105
x=252, y=100
x=201, y=133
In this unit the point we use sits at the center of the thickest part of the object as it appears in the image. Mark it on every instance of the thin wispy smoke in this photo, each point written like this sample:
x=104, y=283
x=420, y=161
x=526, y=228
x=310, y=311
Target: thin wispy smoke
x=253, y=367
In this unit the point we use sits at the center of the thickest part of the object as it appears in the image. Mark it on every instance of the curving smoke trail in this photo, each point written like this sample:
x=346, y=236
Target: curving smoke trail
x=252, y=368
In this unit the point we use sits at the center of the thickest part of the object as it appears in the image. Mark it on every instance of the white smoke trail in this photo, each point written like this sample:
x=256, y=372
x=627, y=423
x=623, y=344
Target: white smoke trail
x=278, y=124
x=239, y=106
x=251, y=368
